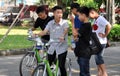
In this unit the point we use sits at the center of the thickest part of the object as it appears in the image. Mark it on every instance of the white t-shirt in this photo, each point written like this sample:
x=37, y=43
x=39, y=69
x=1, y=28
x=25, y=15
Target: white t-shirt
x=99, y=26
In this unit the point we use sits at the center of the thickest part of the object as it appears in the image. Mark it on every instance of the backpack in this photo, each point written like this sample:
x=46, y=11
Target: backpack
x=95, y=45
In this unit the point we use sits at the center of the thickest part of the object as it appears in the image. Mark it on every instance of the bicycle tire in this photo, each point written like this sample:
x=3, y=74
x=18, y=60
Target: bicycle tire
x=39, y=71
x=30, y=64
x=68, y=67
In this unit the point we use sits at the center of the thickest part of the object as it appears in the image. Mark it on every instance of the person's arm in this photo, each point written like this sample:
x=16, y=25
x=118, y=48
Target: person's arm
x=108, y=28
x=66, y=29
x=45, y=31
x=62, y=38
x=36, y=25
x=107, y=31
x=74, y=30
x=42, y=33
x=33, y=29
x=65, y=32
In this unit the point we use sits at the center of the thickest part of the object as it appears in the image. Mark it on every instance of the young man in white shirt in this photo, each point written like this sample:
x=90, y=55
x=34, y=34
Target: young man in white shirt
x=102, y=28
x=58, y=30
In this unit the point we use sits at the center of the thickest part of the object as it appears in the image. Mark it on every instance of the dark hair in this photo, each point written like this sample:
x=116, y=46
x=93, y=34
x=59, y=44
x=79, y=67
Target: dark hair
x=92, y=9
x=84, y=10
x=74, y=5
x=40, y=9
x=56, y=8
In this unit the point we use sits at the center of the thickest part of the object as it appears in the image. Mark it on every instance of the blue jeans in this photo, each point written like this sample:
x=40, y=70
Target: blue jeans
x=84, y=66
x=99, y=57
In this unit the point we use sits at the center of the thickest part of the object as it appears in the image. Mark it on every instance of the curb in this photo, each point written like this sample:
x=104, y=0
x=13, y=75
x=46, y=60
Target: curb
x=114, y=44
x=14, y=51
x=23, y=51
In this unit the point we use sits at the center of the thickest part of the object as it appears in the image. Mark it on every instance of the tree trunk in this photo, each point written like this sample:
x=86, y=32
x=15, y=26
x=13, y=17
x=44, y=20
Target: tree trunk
x=15, y=2
x=113, y=12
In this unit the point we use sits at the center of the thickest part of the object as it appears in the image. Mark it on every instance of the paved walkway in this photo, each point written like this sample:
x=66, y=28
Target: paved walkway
x=9, y=65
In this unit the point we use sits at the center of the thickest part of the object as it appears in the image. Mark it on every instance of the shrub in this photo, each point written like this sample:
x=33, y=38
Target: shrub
x=115, y=33
x=70, y=28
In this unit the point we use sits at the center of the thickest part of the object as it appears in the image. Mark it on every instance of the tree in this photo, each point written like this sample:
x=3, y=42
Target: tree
x=64, y=3
x=117, y=2
x=88, y=3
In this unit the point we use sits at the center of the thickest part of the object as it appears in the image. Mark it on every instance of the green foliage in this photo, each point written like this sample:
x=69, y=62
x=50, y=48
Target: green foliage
x=70, y=28
x=115, y=33
x=88, y=3
x=117, y=2
x=67, y=2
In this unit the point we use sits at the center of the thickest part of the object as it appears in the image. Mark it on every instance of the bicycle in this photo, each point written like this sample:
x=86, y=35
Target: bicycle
x=32, y=58
x=44, y=69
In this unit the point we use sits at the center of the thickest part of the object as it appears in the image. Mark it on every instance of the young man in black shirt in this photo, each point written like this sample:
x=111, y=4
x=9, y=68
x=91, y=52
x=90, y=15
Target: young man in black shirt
x=82, y=50
x=42, y=21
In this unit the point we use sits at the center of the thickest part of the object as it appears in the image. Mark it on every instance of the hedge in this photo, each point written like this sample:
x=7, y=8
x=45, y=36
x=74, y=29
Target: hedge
x=115, y=33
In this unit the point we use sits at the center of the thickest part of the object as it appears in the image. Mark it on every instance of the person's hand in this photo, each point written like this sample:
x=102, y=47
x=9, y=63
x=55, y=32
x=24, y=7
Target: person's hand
x=71, y=18
x=62, y=39
x=35, y=35
x=102, y=35
x=76, y=38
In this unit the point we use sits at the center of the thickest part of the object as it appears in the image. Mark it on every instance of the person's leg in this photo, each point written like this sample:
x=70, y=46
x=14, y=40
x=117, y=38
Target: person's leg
x=51, y=58
x=62, y=60
x=100, y=64
x=84, y=66
x=102, y=70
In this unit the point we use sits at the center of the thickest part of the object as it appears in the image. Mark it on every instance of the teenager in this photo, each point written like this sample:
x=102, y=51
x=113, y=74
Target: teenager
x=42, y=21
x=82, y=50
x=76, y=23
x=102, y=28
x=58, y=30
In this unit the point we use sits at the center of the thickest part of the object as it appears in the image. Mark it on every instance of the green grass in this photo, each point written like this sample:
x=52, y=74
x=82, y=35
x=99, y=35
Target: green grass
x=15, y=42
x=17, y=38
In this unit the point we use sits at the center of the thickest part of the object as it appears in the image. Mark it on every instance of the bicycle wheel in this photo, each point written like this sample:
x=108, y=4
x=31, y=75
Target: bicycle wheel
x=40, y=70
x=27, y=64
x=68, y=67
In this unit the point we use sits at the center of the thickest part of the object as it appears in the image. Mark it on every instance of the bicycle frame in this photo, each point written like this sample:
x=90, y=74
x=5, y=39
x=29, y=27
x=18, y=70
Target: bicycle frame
x=37, y=56
x=36, y=53
x=36, y=50
x=49, y=70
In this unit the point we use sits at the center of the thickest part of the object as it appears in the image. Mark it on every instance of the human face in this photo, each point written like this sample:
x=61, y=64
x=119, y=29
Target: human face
x=81, y=16
x=42, y=15
x=92, y=14
x=74, y=11
x=58, y=14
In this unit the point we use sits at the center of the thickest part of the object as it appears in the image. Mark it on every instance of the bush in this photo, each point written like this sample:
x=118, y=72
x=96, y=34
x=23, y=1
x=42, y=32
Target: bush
x=70, y=28
x=115, y=33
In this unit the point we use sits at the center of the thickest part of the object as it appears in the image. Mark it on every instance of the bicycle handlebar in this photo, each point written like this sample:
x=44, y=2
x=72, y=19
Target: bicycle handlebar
x=38, y=40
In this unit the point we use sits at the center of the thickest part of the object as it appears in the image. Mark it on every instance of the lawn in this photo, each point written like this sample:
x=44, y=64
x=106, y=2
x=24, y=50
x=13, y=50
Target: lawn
x=17, y=38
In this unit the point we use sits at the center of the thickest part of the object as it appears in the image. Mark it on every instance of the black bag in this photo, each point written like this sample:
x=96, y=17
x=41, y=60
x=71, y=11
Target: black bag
x=95, y=45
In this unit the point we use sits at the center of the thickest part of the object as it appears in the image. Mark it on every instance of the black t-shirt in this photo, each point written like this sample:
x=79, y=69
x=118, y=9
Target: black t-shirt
x=42, y=24
x=83, y=43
